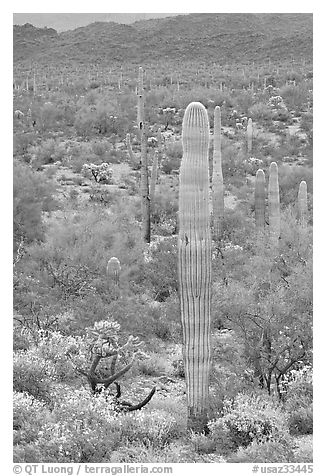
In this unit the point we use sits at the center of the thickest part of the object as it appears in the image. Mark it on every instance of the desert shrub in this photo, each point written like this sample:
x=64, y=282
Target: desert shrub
x=306, y=126
x=170, y=163
x=261, y=113
x=22, y=143
x=32, y=194
x=155, y=365
x=303, y=450
x=267, y=452
x=154, y=427
x=47, y=152
x=248, y=418
x=201, y=443
x=295, y=97
x=298, y=399
x=29, y=415
x=83, y=429
x=33, y=374
x=300, y=421
x=164, y=212
x=233, y=165
x=160, y=271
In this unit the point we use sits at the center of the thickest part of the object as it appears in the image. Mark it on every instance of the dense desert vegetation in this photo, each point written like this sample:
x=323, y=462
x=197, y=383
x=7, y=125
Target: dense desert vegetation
x=99, y=373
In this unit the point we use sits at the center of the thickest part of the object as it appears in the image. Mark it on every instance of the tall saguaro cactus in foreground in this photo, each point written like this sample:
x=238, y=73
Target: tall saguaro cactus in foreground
x=260, y=200
x=249, y=136
x=303, y=203
x=146, y=224
x=217, y=178
x=194, y=261
x=274, y=203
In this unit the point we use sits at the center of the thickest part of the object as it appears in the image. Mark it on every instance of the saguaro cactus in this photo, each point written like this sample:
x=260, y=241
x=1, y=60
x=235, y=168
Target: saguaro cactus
x=194, y=261
x=303, y=203
x=274, y=202
x=146, y=224
x=249, y=136
x=153, y=177
x=260, y=200
x=113, y=269
x=217, y=178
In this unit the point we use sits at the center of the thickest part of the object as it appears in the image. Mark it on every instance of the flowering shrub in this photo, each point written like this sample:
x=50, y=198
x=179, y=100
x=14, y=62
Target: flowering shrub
x=267, y=452
x=28, y=417
x=249, y=418
x=33, y=374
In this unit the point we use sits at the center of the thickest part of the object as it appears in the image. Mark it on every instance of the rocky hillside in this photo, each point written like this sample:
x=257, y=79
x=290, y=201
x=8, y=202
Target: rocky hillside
x=210, y=37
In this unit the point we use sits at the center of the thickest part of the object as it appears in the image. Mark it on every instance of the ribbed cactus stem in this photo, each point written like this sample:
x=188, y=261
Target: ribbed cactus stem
x=249, y=136
x=113, y=269
x=153, y=177
x=145, y=204
x=260, y=200
x=194, y=261
x=217, y=178
x=160, y=151
x=274, y=202
x=303, y=203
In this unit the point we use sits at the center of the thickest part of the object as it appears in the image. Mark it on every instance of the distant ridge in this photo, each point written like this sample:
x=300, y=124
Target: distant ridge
x=208, y=37
x=70, y=21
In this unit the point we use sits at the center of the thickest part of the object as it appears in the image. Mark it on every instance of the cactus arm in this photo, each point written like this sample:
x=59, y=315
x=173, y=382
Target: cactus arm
x=131, y=408
x=194, y=261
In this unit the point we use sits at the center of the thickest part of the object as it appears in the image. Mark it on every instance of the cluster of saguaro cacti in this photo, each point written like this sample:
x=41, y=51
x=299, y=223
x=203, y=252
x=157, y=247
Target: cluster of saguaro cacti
x=303, y=204
x=217, y=178
x=194, y=261
x=113, y=269
x=144, y=186
x=249, y=136
x=260, y=200
x=274, y=203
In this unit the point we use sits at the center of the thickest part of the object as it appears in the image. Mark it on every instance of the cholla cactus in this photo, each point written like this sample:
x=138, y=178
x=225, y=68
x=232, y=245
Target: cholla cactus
x=101, y=173
x=194, y=261
x=113, y=269
x=249, y=136
x=274, y=203
x=217, y=179
x=303, y=203
x=260, y=200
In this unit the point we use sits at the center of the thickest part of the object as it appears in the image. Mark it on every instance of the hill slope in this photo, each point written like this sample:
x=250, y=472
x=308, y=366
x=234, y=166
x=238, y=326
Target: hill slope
x=209, y=37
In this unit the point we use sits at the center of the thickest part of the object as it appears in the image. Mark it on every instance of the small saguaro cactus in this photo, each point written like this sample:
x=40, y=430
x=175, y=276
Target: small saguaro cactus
x=217, y=178
x=249, y=136
x=260, y=200
x=146, y=224
x=113, y=269
x=194, y=262
x=274, y=202
x=303, y=203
